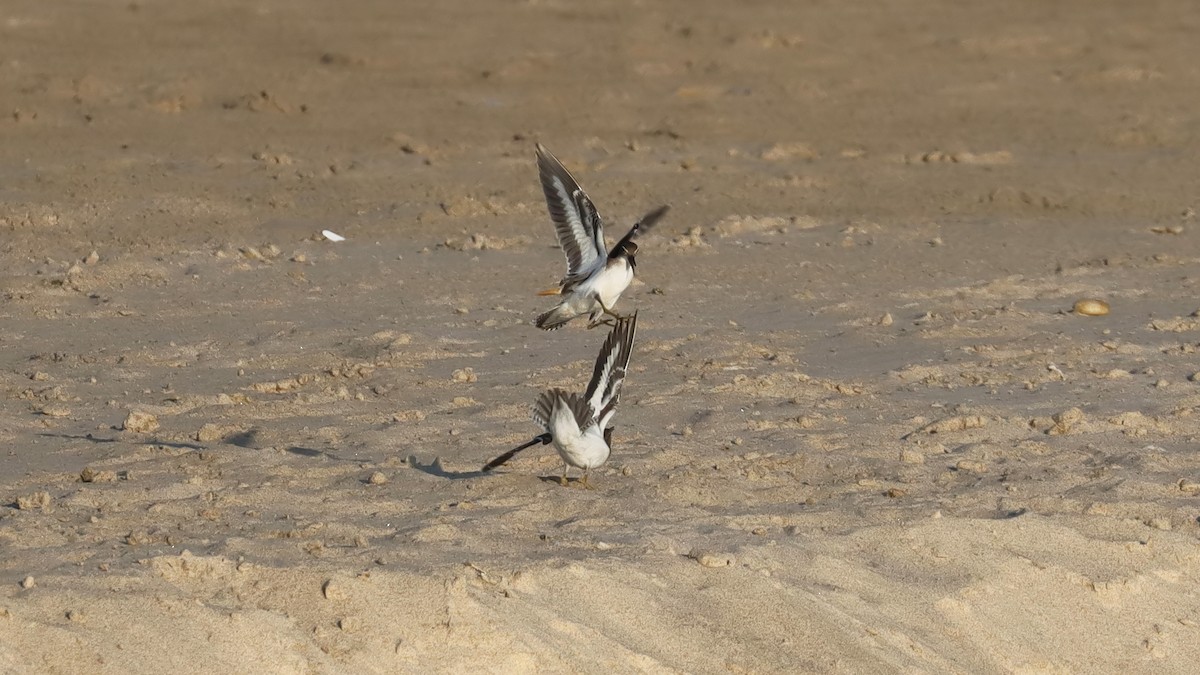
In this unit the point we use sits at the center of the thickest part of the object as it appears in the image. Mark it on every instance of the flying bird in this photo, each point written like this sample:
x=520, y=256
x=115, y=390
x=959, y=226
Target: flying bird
x=596, y=277
x=579, y=426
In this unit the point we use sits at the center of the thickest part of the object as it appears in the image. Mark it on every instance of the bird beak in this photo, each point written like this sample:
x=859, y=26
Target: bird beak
x=551, y=291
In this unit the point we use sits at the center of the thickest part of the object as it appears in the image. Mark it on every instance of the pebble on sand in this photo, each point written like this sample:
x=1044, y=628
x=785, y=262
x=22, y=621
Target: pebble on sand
x=1091, y=307
x=37, y=500
x=464, y=375
x=710, y=558
x=140, y=422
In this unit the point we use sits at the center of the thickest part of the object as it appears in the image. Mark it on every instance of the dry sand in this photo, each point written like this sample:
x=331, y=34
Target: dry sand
x=862, y=432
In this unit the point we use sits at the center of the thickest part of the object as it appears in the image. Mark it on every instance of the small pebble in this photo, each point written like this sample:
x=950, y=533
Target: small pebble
x=377, y=478
x=37, y=500
x=710, y=559
x=28, y=583
x=1091, y=307
x=90, y=475
x=140, y=422
x=334, y=590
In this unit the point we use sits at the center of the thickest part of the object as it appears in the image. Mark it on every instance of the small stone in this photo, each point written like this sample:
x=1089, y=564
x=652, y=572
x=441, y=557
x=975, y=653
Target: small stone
x=90, y=475
x=75, y=615
x=971, y=466
x=28, y=582
x=349, y=624
x=886, y=319
x=37, y=500
x=377, y=478
x=710, y=559
x=140, y=422
x=56, y=411
x=1091, y=307
x=209, y=433
x=464, y=375
x=912, y=457
x=92, y=258
x=333, y=589
x=1065, y=421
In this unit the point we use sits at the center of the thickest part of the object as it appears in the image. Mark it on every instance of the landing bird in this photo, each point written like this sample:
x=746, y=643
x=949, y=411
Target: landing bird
x=596, y=277
x=578, y=426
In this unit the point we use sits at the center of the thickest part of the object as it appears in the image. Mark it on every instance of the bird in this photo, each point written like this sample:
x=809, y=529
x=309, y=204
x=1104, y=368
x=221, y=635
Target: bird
x=580, y=426
x=596, y=277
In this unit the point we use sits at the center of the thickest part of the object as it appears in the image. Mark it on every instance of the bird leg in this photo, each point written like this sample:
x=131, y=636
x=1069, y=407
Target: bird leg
x=610, y=311
x=608, y=320
x=584, y=481
x=564, y=481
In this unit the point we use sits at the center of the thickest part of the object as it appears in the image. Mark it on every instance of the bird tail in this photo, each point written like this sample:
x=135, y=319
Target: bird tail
x=555, y=318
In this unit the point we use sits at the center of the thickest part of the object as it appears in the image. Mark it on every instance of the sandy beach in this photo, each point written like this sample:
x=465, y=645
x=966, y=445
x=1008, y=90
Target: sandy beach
x=863, y=429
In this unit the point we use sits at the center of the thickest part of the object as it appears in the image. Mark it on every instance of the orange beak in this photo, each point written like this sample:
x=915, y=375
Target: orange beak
x=551, y=291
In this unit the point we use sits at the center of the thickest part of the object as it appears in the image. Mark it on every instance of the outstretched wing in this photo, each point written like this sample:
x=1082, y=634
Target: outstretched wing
x=578, y=225
x=642, y=226
x=604, y=390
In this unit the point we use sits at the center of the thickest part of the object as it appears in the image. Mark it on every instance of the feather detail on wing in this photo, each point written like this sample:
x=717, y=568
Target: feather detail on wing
x=543, y=409
x=604, y=390
x=576, y=222
x=642, y=226
x=544, y=406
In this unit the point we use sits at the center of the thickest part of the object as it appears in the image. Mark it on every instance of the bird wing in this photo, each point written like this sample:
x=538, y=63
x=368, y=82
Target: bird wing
x=544, y=406
x=576, y=222
x=604, y=390
x=642, y=226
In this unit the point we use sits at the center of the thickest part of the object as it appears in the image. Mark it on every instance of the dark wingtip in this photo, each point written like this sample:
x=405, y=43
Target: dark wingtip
x=654, y=216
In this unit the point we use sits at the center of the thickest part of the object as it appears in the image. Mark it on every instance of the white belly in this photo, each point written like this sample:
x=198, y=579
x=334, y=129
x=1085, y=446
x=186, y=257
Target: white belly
x=582, y=451
x=609, y=284
x=612, y=282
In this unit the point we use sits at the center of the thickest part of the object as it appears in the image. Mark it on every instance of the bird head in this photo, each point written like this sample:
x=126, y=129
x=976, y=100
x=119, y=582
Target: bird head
x=629, y=249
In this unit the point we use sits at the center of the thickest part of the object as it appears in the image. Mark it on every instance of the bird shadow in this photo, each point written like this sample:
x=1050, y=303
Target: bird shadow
x=435, y=468
x=151, y=441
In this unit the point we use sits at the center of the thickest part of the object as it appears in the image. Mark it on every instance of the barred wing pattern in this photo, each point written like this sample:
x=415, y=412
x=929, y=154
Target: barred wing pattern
x=576, y=222
x=604, y=390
